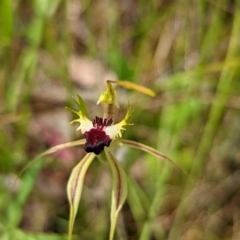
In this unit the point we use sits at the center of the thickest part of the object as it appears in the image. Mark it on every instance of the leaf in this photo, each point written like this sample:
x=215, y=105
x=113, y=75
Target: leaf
x=119, y=190
x=6, y=19
x=16, y=205
x=148, y=149
x=45, y=8
x=74, y=188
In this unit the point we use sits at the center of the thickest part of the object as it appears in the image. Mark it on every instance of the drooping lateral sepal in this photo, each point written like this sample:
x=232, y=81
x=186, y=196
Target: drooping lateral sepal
x=74, y=188
x=119, y=190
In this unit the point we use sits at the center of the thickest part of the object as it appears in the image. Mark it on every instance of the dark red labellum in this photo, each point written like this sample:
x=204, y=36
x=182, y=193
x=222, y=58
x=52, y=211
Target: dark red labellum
x=96, y=138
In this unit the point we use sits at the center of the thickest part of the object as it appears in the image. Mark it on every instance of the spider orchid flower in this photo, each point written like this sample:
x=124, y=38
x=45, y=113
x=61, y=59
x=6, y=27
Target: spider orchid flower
x=99, y=134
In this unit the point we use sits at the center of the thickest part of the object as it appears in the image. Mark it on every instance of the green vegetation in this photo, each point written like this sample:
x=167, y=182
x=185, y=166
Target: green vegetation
x=188, y=52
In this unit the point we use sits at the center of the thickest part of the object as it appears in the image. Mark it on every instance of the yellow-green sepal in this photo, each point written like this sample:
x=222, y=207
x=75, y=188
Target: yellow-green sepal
x=74, y=188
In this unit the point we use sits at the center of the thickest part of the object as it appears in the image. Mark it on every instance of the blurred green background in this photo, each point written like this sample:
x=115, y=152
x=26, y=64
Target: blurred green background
x=187, y=51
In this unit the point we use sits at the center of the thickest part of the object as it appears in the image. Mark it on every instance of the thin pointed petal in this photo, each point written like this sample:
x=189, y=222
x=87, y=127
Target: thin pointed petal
x=154, y=152
x=85, y=123
x=62, y=146
x=82, y=105
x=73, y=111
x=53, y=150
x=119, y=190
x=74, y=188
x=114, y=131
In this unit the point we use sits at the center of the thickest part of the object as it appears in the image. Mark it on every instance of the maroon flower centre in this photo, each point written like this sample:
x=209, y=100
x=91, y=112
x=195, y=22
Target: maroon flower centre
x=96, y=138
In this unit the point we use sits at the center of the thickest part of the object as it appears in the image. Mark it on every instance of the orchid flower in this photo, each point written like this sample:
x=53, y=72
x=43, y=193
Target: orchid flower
x=99, y=134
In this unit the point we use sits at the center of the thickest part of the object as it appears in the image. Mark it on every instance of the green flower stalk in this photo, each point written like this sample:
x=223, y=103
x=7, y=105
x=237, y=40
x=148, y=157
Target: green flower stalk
x=99, y=134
